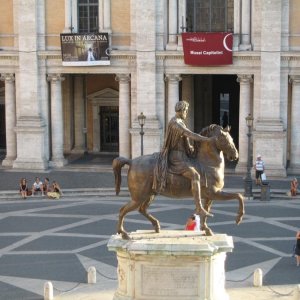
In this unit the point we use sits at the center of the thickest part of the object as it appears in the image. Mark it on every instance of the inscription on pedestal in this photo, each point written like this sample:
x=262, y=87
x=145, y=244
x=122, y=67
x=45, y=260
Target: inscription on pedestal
x=168, y=281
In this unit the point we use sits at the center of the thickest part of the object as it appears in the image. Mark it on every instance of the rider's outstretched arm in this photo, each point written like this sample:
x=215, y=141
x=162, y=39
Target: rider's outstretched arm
x=194, y=136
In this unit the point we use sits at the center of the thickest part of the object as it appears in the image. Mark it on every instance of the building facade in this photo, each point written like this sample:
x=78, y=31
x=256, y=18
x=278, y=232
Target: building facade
x=48, y=110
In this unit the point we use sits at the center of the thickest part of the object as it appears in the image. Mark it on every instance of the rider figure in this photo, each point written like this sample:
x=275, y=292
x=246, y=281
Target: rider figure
x=175, y=156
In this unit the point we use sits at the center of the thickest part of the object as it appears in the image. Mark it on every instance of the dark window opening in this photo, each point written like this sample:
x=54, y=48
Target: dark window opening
x=87, y=16
x=209, y=15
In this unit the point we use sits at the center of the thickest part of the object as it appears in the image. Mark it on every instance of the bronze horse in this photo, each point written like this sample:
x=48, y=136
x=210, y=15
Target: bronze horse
x=208, y=153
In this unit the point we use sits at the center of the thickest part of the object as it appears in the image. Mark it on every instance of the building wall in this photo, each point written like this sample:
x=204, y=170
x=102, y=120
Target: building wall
x=7, y=26
x=120, y=22
x=55, y=21
x=294, y=25
x=147, y=71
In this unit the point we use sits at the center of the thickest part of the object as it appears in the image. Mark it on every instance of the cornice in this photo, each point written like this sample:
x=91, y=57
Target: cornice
x=160, y=55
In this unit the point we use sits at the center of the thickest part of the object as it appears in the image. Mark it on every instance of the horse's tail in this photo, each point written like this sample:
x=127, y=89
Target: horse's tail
x=117, y=165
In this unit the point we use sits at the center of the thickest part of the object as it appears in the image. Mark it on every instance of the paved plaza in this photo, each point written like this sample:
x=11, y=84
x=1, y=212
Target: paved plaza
x=58, y=240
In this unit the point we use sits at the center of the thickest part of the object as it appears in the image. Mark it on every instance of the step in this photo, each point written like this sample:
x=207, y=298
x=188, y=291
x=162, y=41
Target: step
x=67, y=193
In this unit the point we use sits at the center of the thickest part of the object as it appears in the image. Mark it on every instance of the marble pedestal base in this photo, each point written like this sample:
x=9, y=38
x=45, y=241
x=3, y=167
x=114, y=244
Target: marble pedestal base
x=171, y=265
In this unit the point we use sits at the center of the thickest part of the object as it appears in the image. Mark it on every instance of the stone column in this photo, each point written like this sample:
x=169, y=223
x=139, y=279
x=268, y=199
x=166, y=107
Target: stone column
x=173, y=93
x=68, y=16
x=245, y=25
x=10, y=119
x=172, y=42
x=124, y=114
x=79, y=146
x=294, y=167
x=57, y=128
x=245, y=109
x=188, y=95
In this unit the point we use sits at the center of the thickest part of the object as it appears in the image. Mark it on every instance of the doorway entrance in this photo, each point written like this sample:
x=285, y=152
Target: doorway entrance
x=109, y=125
x=215, y=94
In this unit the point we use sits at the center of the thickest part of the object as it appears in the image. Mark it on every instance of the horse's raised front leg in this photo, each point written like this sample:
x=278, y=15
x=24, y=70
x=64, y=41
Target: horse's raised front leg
x=143, y=210
x=130, y=206
x=220, y=195
x=203, y=224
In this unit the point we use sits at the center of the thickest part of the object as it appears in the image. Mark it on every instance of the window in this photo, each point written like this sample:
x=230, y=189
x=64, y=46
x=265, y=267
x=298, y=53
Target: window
x=87, y=16
x=209, y=15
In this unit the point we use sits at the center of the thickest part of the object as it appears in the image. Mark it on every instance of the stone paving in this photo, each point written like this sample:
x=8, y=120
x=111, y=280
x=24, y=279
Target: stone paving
x=58, y=240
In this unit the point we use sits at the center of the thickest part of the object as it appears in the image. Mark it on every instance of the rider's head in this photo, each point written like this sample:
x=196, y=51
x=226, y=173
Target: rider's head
x=181, y=109
x=181, y=105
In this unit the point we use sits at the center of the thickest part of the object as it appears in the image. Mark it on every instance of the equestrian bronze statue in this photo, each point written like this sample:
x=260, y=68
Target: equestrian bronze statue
x=180, y=170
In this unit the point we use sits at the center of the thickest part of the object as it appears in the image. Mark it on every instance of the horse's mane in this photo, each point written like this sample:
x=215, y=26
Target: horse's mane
x=211, y=130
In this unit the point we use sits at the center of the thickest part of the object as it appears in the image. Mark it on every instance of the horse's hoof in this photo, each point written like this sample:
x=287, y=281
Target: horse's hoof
x=157, y=229
x=208, y=232
x=124, y=235
x=238, y=220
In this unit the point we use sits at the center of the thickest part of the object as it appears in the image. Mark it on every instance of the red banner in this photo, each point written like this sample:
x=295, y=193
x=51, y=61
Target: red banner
x=207, y=48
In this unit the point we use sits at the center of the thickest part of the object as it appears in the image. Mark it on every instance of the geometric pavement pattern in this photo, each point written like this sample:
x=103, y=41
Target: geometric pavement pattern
x=58, y=240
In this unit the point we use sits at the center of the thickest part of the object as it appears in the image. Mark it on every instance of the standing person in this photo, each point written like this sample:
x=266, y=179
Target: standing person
x=37, y=186
x=225, y=119
x=294, y=187
x=259, y=169
x=23, y=188
x=297, y=249
x=175, y=156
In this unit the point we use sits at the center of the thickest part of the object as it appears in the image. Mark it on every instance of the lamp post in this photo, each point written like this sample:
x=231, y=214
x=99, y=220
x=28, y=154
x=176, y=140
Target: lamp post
x=142, y=119
x=248, y=178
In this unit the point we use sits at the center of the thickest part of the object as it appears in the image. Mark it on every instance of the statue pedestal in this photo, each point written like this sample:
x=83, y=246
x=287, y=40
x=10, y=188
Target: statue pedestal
x=170, y=265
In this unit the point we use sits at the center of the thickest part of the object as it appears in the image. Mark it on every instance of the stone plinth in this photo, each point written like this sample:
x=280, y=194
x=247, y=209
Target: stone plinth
x=175, y=264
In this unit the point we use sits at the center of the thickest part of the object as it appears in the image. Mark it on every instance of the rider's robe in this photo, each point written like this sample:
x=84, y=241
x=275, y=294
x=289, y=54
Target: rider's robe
x=176, y=155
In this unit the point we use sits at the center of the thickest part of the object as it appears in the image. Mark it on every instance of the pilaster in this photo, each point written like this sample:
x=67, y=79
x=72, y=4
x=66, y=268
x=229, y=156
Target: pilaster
x=269, y=133
x=245, y=25
x=172, y=39
x=145, y=79
x=10, y=119
x=68, y=16
x=294, y=167
x=30, y=126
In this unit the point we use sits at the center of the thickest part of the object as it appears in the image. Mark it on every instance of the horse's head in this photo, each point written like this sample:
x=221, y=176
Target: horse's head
x=224, y=141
